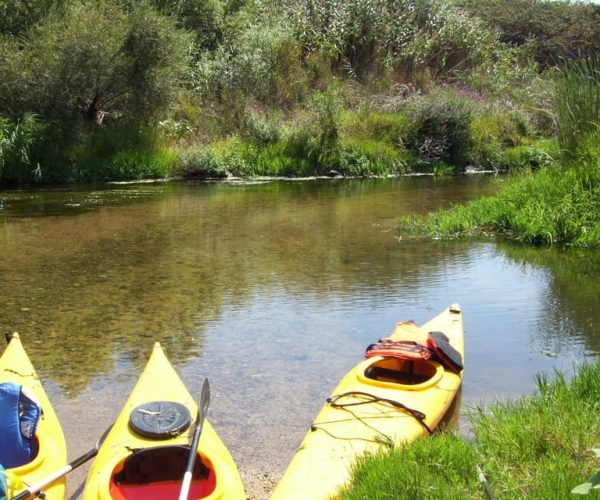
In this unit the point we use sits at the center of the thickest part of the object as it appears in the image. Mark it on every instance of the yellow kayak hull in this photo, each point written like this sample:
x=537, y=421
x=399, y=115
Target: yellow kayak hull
x=338, y=436
x=15, y=366
x=159, y=381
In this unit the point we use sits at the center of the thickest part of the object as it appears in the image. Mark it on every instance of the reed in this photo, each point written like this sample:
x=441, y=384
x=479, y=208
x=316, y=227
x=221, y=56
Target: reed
x=577, y=102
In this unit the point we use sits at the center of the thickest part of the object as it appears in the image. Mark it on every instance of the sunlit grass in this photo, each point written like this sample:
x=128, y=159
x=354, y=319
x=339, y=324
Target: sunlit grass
x=553, y=205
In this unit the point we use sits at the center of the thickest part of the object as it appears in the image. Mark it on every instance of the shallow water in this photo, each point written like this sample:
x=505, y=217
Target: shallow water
x=272, y=290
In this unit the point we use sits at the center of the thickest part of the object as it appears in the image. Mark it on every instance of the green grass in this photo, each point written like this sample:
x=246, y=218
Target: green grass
x=549, y=206
x=535, y=447
x=443, y=466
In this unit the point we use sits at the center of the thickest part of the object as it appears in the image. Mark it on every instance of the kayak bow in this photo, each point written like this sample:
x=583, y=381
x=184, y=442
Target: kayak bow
x=16, y=367
x=145, y=453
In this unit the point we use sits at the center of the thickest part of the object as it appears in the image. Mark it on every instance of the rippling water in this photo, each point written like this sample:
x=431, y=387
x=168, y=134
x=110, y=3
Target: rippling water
x=272, y=290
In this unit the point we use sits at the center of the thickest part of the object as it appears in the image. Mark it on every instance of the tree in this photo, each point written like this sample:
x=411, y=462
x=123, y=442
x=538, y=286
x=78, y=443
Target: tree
x=97, y=60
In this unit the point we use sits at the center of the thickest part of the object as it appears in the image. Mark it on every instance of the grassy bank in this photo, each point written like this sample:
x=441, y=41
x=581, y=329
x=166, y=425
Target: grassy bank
x=534, y=447
x=553, y=206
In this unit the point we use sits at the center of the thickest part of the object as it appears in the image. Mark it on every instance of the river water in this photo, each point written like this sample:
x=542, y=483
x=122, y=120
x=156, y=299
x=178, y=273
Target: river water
x=272, y=290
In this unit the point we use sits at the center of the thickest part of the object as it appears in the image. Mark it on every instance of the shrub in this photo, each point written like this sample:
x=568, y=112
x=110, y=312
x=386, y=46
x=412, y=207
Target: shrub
x=368, y=157
x=260, y=129
x=492, y=133
x=93, y=61
x=439, y=130
x=229, y=157
x=249, y=63
x=363, y=36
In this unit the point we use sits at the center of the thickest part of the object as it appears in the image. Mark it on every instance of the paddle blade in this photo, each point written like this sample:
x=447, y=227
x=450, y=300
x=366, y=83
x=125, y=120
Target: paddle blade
x=204, y=402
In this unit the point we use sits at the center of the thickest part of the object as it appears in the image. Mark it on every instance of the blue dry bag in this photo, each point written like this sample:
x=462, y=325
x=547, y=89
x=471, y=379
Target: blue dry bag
x=19, y=416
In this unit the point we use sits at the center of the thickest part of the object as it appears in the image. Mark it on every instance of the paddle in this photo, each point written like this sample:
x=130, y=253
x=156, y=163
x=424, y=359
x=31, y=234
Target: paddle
x=202, y=409
x=36, y=488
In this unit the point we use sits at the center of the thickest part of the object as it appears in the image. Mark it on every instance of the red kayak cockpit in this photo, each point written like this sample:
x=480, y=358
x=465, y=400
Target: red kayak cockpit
x=157, y=473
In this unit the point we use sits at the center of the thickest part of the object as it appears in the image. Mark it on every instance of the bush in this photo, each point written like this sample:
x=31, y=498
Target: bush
x=96, y=61
x=368, y=157
x=260, y=129
x=249, y=63
x=492, y=133
x=439, y=130
x=221, y=159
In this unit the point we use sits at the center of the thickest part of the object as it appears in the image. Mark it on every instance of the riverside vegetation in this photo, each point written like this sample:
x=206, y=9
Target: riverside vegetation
x=95, y=90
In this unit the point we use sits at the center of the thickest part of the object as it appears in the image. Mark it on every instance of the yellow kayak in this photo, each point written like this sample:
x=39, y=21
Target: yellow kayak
x=16, y=367
x=145, y=452
x=382, y=401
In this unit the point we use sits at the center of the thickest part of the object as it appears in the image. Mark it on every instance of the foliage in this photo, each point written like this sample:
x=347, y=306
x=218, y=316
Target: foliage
x=440, y=128
x=17, y=143
x=262, y=62
x=260, y=128
x=558, y=31
x=577, y=103
x=95, y=61
x=303, y=86
x=18, y=16
x=204, y=18
x=220, y=159
x=389, y=128
x=127, y=150
x=404, y=35
x=493, y=133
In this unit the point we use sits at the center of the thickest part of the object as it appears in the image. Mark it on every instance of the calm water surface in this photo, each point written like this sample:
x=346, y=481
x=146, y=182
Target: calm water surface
x=272, y=290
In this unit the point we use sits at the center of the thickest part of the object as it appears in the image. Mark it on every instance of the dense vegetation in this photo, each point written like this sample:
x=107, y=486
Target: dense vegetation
x=557, y=204
x=543, y=446
x=125, y=89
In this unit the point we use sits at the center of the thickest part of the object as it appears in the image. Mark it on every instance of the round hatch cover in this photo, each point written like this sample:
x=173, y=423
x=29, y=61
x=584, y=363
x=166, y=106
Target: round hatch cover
x=160, y=419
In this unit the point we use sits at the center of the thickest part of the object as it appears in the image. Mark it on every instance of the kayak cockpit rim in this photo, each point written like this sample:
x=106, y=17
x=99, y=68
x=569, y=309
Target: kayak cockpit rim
x=398, y=373
x=157, y=472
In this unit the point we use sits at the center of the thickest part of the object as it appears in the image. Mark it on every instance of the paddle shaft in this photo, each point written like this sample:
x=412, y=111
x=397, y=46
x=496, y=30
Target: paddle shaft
x=202, y=409
x=37, y=487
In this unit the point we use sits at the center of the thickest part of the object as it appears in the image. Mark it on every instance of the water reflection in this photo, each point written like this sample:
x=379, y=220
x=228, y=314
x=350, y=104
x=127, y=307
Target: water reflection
x=273, y=290
x=116, y=278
